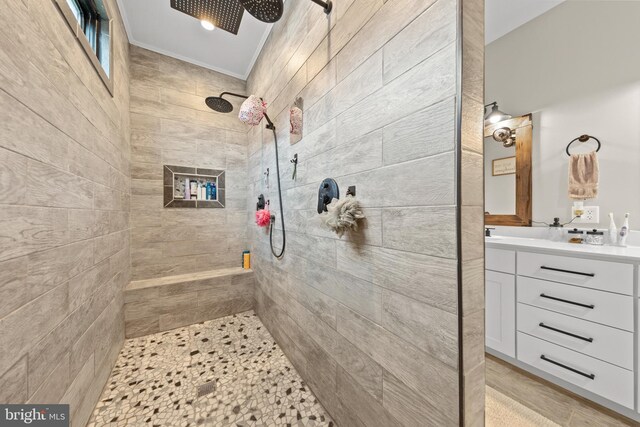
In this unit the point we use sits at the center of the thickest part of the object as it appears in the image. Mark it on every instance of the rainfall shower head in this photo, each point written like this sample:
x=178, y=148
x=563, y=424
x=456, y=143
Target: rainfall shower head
x=264, y=10
x=219, y=104
x=271, y=10
x=223, y=14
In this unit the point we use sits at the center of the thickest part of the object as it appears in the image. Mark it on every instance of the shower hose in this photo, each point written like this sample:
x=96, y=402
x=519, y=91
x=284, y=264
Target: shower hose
x=284, y=237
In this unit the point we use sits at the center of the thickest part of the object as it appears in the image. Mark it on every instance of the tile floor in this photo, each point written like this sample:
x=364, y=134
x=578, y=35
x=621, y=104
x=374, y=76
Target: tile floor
x=502, y=411
x=156, y=380
x=554, y=403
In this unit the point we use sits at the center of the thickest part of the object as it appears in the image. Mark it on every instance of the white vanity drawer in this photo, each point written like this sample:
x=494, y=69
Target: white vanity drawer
x=602, y=342
x=500, y=260
x=604, y=275
x=588, y=304
x=604, y=379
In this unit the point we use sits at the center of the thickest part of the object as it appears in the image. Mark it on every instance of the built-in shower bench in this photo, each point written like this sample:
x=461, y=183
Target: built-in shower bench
x=165, y=303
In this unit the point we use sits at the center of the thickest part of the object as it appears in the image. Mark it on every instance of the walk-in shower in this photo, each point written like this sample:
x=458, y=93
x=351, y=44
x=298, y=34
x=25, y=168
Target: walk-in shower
x=221, y=105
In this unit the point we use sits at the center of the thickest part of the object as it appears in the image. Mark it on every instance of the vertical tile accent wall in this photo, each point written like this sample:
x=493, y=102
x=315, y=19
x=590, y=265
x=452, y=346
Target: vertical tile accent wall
x=171, y=125
x=64, y=210
x=471, y=203
x=371, y=320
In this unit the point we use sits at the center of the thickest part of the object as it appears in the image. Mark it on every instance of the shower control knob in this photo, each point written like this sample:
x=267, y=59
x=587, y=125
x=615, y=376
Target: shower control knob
x=327, y=191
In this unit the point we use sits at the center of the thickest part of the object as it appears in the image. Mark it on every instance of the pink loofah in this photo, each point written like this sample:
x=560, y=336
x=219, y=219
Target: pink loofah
x=263, y=217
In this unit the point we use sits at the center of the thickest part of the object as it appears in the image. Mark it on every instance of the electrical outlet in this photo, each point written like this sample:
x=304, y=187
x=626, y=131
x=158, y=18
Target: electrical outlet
x=590, y=215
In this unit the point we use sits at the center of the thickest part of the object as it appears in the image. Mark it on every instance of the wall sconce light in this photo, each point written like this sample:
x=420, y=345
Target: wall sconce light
x=495, y=115
x=506, y=136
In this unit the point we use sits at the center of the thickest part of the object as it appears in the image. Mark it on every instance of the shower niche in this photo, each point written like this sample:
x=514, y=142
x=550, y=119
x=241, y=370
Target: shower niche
x=188, y=187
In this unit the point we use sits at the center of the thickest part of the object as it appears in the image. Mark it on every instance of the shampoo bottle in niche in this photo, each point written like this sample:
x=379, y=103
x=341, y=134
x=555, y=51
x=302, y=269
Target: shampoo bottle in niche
x=208, y=191
x=187, y=189
x=624, y=231
x=214, y=191
x=613, y=230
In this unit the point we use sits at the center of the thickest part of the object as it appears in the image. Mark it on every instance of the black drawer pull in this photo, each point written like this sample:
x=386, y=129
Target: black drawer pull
x=579, y=273
x=542, y=325
x=591, y=306
x=569, y=368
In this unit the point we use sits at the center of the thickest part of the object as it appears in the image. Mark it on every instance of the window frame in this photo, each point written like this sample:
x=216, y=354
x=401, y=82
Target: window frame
x=91, y=17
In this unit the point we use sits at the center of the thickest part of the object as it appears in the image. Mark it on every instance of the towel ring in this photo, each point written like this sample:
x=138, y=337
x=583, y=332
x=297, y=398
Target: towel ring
x=584, y=138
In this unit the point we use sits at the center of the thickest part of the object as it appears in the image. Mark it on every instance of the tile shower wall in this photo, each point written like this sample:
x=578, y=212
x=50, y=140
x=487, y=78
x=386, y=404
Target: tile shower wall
x=371, y=321
x=172, y=125
x=64, y=210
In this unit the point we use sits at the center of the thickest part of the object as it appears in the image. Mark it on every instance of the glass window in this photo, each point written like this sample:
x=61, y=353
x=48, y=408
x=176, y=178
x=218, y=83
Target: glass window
x=75, y=9
x=93, y=25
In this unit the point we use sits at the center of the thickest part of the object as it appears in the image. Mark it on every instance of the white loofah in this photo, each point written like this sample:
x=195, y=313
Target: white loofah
x=343, y=215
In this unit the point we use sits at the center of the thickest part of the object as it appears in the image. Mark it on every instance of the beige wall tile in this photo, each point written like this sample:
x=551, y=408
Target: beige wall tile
x=14, y=383
x=173, y=126
x=363, y=405
x=424, y=36
x=411, y=409
x=429, y=231
x=386, y=123
x=28, y=229
x=40, y=316
x=424, y=133
x=13, y=177
x=404, y=95
x=413, y=367
x=50, y=268
x=14, y=292
x=54, y=387
x=432, y=330
x=67, y=183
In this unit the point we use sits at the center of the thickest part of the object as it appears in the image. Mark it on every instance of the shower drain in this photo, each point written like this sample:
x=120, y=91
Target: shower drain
x=206, y=388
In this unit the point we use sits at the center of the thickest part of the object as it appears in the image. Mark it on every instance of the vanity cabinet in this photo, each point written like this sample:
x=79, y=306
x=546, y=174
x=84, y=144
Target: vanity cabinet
x=587, y=273
x=567, y=318
x=500, y=301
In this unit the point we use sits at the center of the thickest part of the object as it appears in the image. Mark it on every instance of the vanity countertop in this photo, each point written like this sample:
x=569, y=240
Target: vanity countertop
x=628, y=254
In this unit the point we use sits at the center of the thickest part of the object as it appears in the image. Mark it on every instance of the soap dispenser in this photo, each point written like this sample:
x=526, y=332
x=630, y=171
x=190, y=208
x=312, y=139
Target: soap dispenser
x=624, y=231
x=613, y=230
x=555, y=233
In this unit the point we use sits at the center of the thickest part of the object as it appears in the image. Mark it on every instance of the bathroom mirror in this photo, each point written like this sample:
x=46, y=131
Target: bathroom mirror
x=507, y=164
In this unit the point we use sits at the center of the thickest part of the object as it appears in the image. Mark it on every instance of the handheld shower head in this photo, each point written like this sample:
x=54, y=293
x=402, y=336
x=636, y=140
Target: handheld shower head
x=219, y=104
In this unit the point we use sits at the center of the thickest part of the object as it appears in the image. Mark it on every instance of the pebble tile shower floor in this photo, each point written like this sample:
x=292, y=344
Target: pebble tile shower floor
x=157, y=379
